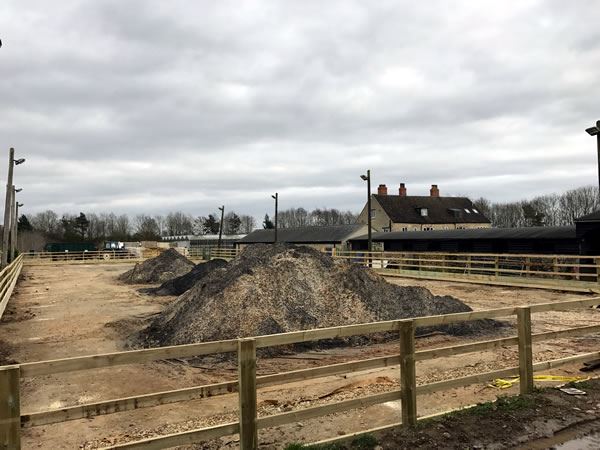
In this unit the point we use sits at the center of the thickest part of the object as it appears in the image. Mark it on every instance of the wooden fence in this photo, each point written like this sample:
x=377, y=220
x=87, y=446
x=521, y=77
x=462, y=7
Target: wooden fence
x=86, y=257
x=575, y=271
x=207, y=253
x=8, y=279
x=12, y=419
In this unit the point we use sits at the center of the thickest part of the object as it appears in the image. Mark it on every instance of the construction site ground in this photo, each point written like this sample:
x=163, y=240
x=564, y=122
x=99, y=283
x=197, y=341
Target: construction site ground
x=61, y=311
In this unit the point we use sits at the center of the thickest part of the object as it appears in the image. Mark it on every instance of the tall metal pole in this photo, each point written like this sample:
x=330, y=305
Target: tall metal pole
x=598, y=142
x=8, y=209
x=276, y=197
x=13, y=231
x=369, y=216
x=222, y=209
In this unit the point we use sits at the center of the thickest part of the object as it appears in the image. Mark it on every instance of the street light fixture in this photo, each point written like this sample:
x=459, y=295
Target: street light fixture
x=276, y=198
x=222, y=209
x=595, y=131
x=367, y=178
x=19, y=161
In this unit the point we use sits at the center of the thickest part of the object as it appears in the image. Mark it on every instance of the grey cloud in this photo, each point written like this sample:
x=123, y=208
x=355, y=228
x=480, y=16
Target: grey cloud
x=136, y=106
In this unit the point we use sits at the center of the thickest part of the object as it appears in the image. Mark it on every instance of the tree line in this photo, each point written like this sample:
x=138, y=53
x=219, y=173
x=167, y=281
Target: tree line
x=544, y=210
x=110, y=226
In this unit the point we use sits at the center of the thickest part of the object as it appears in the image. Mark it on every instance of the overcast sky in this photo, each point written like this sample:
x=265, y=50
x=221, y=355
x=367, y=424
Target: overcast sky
x=152, y=106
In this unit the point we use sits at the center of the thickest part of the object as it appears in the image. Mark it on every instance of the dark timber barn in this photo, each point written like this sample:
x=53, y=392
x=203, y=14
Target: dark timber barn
x=532, y=240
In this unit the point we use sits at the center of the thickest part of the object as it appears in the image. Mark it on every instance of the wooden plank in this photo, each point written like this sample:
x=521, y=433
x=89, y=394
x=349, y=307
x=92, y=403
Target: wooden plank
x=14, y=276
x=571, y=332
x=465, y=381
x=525, y=351
x=183, y=438
x=547, y=365
x=247, y=394
x=329, y=370
x=129, y=357
x=423, y=355
x=323, y=410
x=10, y=404
x=408, y=381
x=90, y=410
x=325, y=333
x=501, y=281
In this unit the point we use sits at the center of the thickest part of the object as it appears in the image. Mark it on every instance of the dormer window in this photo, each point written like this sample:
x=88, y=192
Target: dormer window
x=467, y=211
x=424, y=212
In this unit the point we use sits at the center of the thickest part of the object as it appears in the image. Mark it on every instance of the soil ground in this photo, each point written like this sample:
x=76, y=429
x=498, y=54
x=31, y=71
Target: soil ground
x=548, y=418
x=63, y=311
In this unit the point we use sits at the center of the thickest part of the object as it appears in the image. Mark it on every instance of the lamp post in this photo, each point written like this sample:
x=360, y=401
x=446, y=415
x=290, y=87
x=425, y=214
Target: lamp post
x=16, y=225
x=222, y=209
x=595, y=131
x=13, y=221
x=276, y=198
x=8, y=207
x=367, y=178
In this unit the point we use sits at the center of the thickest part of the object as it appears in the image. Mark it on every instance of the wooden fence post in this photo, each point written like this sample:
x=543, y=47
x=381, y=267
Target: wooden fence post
x=525, y=351
x=247, y=393
x=408, y=381
x=10, y=408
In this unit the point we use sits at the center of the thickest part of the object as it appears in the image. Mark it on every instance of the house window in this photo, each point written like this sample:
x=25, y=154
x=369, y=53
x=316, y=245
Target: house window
x=427, y=228
x=424, y=212
x=467, y=211
x=475, y=211
x=373, y=213
x=404, y=228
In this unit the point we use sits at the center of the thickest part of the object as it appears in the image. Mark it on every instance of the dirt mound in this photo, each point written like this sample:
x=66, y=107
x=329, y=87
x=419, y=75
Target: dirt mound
x=278, y=288
x=179, y=285
x=166, y=266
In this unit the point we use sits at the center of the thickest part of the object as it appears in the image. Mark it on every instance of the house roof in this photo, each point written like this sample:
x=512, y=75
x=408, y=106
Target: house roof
x=477, y=233
x=406, y=209
x=593, y=217
x=313, y=234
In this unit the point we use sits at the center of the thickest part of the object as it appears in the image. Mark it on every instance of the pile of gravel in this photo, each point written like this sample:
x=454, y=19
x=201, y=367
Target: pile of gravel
x=179, y=285
x=168, y=265
x=277, y=288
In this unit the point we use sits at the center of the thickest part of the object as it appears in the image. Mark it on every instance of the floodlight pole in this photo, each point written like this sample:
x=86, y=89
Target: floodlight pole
x=13, y=231
x=367, y=178
x=8, y=209
x=598, y=145
x=595, y=131
x=222, y=209
x=276, y=198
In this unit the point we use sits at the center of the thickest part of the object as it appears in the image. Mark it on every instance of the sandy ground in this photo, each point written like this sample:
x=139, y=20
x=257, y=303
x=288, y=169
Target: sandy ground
x=61, y=311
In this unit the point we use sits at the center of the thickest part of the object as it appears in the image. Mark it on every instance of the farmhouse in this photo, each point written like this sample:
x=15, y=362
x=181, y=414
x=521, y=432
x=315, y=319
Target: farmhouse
x=404, y=212
x=319, y=237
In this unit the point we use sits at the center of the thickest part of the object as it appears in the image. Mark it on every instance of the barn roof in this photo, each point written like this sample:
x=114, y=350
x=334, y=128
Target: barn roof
x=312, y=234
x=593, y=217
x=478, y=233
x=406, y=209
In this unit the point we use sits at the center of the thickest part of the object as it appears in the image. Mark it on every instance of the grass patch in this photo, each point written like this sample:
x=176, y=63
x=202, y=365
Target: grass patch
x=363, y=442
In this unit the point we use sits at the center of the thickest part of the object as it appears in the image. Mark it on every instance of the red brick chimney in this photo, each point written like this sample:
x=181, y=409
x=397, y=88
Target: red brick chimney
x=402, y=190
x=382, y=189
x=434, y=191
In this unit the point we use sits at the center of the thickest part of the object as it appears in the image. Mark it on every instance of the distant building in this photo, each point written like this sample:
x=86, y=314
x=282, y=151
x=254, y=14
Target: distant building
x=404, y=212
x=323, y=238
x=529, y=240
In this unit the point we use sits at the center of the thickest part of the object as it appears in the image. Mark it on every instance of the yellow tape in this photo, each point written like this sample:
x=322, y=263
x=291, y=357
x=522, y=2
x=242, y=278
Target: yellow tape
x=501, y=383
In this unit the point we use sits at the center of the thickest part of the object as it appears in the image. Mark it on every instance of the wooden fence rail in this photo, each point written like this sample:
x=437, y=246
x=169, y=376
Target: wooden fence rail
x=8, y=280
x=85, y=257
x=247, y=384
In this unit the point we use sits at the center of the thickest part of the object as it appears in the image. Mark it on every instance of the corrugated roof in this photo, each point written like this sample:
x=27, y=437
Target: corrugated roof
x=593, y=217
x=314, y=234
x=478, y=233
x=406, y=209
